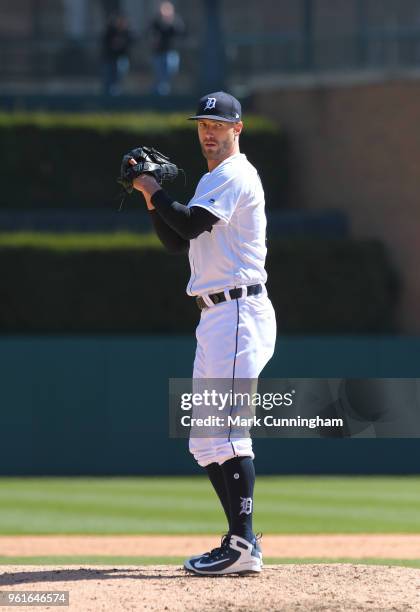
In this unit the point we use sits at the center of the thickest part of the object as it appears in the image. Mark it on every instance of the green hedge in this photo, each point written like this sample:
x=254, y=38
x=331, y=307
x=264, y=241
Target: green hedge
x=79, y=242
x=72, y=161
x=316, y=287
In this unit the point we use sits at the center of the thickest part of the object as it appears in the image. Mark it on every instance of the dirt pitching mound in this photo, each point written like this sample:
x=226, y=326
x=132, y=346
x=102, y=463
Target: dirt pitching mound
x=332, y=587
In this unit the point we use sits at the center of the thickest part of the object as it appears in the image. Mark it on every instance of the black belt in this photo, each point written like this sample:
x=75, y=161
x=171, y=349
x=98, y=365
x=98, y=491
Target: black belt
x=236, y=293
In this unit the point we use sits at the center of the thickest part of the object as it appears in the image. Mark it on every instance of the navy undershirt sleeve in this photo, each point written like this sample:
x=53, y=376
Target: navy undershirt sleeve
x=188, y=223
x=168, y=237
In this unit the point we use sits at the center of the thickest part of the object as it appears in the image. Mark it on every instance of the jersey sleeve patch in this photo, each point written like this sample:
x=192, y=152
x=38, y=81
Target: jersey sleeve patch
x=219, y=195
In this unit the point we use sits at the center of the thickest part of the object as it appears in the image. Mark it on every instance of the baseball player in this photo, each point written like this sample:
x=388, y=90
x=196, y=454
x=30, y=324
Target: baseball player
x=223, y=228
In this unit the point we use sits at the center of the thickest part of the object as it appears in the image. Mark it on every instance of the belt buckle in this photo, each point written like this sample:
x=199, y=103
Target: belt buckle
x=238, y=292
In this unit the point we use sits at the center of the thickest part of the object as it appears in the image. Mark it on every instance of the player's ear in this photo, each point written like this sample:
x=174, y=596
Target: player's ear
x=238, y=128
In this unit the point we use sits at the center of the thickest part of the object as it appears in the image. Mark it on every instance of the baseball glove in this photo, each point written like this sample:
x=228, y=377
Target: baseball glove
x=149, y=161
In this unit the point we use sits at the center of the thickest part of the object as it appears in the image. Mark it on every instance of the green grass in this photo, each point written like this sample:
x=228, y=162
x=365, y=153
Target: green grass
x=189, y=505
x=75, y=242
x=113, y=561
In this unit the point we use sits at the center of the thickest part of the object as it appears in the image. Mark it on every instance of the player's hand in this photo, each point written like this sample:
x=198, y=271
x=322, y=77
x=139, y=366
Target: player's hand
x=145, y=183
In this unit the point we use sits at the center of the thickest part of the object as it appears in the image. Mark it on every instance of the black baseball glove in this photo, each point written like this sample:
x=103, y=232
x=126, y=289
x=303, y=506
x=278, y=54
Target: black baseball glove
x=149, y=161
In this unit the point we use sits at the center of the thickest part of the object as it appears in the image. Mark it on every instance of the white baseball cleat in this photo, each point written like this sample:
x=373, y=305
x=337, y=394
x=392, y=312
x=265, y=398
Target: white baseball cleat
x=235, y=556
x=256, y=541
x=206, y=554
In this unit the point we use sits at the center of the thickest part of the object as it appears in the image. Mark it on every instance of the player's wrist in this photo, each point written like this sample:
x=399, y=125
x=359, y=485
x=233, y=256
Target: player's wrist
x=149, y=205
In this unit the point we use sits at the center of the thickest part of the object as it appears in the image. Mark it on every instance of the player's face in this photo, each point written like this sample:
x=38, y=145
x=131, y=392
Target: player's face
x=217, y=138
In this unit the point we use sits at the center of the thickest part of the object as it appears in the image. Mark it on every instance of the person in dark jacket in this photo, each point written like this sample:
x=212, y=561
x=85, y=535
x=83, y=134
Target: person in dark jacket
x=116, y=48
x=166, y=29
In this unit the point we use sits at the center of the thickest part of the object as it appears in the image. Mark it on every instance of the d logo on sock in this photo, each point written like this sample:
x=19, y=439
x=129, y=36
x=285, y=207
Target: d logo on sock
x=246, y=505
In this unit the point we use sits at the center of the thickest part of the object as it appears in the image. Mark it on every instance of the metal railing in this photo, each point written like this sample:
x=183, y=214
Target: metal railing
x=293, y=53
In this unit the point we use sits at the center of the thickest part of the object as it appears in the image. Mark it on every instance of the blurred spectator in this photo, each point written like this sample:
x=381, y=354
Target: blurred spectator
x=166, y=28
x=116, y=47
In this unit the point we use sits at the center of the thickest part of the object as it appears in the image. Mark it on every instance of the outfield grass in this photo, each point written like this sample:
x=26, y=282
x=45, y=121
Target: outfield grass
x=188, y=505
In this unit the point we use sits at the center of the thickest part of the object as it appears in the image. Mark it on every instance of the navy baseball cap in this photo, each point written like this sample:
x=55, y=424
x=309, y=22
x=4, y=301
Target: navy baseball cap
x=219, y=106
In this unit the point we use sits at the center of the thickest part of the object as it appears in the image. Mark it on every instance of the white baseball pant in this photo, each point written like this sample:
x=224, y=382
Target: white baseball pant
x=235, y=340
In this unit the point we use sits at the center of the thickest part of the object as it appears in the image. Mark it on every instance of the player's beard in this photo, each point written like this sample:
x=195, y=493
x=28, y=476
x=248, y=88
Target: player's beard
x=220, y=151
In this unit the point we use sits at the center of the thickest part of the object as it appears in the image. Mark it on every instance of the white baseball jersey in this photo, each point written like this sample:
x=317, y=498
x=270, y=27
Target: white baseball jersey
x=233, y=253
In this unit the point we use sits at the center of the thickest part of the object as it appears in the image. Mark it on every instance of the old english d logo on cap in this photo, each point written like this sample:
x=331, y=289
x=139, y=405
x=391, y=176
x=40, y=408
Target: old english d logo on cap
x=211, y=103
x=219, y=106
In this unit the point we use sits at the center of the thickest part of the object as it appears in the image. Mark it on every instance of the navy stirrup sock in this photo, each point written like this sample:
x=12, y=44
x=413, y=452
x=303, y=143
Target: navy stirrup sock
x=239, y=475
x=215, y=474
